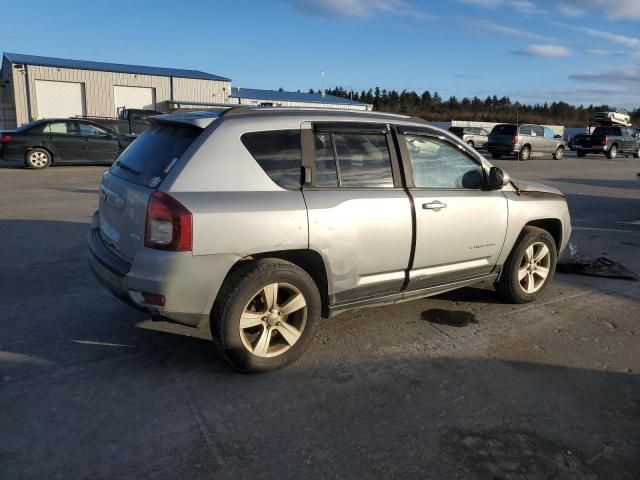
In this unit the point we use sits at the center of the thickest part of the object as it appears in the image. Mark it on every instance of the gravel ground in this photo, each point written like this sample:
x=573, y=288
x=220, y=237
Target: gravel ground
x=90, y=388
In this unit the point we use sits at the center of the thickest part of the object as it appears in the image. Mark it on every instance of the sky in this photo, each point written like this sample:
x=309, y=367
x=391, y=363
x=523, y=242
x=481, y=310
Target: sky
x=578, y=51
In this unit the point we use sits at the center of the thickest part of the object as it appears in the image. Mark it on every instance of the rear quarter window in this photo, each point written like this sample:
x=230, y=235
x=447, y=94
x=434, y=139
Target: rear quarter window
x=279, y=154
x=150, y=157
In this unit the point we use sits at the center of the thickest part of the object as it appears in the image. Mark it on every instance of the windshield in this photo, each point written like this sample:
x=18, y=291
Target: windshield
x=150, y=157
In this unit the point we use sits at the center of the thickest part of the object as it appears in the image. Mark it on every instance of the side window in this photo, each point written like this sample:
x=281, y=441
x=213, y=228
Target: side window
x=86, y=129
x=60, y=128
x=537, y=130
x=438, y=164
x=361, y=160
x=326, y=171
x=525, y=130
x=279, y=154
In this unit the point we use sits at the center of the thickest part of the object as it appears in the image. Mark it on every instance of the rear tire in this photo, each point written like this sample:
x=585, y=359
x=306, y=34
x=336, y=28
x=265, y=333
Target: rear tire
x=496, y=156
x=559, y=155
x=470, y=143
x=525, y=153
x=612, y=153
x=529, y=268
x=37, y=158
x=580, y=154
x=636, y=154
x=258, y=327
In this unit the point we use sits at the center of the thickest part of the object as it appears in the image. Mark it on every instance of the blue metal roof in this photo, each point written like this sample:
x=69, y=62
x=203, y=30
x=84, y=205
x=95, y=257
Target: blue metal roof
x=275, y=95
x=109, y=67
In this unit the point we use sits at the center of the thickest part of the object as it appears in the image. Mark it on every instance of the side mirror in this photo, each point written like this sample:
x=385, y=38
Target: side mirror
x=497, y=179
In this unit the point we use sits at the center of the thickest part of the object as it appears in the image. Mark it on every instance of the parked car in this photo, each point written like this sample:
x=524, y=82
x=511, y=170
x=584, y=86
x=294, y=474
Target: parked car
x=612, y=118
x=474, y=136
x=608, y=140
x=130, y=121
x=524, y=142
x=61, y=140
x=260, y=221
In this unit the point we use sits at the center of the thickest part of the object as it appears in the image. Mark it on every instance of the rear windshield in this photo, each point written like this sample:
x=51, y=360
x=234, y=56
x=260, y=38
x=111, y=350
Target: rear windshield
x=150, y=157
x=504, y=130
x=604, y=131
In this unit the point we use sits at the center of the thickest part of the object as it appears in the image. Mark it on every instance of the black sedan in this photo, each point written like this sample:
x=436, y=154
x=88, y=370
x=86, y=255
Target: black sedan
x=62, y=141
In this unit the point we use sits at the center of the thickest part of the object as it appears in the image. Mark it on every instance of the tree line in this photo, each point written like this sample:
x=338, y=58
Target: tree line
x=431, y=106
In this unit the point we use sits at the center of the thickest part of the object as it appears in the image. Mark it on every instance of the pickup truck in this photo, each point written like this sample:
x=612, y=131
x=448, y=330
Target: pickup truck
x=608, y=140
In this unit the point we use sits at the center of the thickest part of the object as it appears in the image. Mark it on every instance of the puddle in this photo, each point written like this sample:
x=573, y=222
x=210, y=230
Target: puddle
x=453, y=318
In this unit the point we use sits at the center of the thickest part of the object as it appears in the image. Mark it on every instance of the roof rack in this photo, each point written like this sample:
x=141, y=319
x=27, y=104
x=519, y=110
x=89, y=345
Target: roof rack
x=247, y=110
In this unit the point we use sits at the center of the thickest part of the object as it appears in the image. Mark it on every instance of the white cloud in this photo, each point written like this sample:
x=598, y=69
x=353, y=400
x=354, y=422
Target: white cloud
x=630, y=42
x=626, y=75
x=522, y=6
x=494, y=28
x=357, y=8
x=602, y=52
x=619, y=9
x=544, y=50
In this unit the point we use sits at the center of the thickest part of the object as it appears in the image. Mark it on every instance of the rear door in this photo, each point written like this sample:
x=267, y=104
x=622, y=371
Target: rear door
x=359, y=215
x=100, y=146
x=460, y=228
x=63, y=139
x=125, y=188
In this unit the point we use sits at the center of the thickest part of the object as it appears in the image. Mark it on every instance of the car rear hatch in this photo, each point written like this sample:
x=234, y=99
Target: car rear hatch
x=587, y=141
x=502, y=135
x=126, y=187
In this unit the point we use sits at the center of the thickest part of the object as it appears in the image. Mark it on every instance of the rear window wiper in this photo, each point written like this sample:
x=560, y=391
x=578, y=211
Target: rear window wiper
x=126, y=167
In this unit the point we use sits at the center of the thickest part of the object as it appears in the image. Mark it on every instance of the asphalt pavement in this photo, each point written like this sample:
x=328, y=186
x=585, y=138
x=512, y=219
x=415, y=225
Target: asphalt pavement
x=456, y=386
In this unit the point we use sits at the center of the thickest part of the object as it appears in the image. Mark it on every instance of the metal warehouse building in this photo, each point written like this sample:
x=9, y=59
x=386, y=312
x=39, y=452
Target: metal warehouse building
x=34, y=87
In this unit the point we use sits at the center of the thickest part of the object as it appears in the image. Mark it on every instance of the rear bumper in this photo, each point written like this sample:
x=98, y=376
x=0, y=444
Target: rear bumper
x=591, y=149
x=188, y=283
x=501, y=149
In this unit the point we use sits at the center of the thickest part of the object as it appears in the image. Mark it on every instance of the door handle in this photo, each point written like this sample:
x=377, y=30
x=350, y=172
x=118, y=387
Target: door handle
x=436, y=206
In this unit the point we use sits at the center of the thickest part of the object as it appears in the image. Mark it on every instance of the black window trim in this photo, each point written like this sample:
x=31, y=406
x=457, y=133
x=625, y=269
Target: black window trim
x=310, y=129
x=408, y=167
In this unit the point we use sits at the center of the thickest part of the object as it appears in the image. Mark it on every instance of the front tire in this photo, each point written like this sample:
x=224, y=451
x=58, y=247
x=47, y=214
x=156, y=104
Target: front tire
x=265, y=315
x=559, y=155
x=580, y=154
x=496, y=156
x=613, y=152
x=470, y=143
x=529, y=268
x=37, y=158
x=636, y=154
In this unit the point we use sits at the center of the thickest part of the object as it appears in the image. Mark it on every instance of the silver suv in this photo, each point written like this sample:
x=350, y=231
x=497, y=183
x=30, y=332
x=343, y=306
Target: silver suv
x=261, y=221
x=524, y=142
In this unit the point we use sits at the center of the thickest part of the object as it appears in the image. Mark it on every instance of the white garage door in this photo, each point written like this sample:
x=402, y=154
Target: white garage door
x=134, y=97
x=59, y=99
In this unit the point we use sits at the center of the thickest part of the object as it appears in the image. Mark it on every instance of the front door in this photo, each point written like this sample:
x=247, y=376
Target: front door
x=100, y=145
x=460, y=228
x=63, y=140
x=359, y=214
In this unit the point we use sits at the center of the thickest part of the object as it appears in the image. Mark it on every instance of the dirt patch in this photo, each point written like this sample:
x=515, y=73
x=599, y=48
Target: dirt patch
x=509, y=455
x=453, y=318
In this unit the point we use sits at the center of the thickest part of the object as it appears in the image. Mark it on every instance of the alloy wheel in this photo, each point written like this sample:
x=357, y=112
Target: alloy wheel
x=38, y=159
x=273, y=320
x=534, y=267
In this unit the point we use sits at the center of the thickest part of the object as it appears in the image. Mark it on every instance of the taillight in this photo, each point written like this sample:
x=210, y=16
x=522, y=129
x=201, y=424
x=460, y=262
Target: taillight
x=605, y=140
x=5, y=138
x=515, y=139
x=168, y=225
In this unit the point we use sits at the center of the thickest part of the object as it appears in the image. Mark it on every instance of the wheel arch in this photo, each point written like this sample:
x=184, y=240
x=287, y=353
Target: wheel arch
x=309, y=260
x=551, y=225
